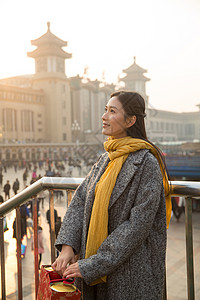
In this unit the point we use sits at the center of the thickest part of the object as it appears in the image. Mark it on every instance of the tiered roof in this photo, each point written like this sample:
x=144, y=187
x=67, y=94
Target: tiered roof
x=135, y=72
x=49, y=45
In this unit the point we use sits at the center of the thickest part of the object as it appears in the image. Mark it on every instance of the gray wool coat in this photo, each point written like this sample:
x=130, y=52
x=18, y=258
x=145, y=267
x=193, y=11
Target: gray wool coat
x=133, y=254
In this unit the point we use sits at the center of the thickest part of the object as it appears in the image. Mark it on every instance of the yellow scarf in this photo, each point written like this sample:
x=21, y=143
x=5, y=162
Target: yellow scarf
x=118, y=151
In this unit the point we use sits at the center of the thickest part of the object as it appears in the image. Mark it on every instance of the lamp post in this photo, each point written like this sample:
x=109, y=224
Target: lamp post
x=75, y=131
x=1, y=133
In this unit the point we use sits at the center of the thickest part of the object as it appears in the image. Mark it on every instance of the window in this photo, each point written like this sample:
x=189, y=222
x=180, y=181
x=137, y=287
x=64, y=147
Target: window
x=189, y=129
x=64, y=136
x=27, y=120
x=51, y=64
x=64, y=105
x=64, y=121
x=10, y=119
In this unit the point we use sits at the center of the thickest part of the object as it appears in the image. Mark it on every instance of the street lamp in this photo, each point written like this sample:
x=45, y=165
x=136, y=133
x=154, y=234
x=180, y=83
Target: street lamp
x=75, y=130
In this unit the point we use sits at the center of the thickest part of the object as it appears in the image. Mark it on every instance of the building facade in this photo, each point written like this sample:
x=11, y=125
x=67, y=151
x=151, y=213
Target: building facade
x=48, y=107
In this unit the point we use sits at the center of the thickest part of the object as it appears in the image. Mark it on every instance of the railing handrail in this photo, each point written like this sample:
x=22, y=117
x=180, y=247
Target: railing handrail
x=44, y=183
x=182, y=188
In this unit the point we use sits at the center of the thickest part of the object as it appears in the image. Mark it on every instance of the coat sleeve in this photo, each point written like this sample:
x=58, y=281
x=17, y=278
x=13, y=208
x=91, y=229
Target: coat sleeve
x=130, y=234
x=71, y=229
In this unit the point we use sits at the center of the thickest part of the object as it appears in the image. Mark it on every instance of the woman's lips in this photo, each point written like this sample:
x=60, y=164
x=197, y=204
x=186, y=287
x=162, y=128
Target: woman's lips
x=105, y=125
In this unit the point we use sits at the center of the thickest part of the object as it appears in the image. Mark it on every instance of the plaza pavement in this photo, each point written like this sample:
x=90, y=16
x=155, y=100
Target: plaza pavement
x=176, y=251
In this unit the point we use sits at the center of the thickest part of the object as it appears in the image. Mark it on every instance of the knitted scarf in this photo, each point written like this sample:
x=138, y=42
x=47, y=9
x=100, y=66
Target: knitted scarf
x=118, y=151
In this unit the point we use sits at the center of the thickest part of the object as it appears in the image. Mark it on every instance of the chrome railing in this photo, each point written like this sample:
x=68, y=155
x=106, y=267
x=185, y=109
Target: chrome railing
x=181, y=188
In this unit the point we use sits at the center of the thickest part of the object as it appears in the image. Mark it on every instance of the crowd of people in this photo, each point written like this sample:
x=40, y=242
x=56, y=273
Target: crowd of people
x=31, y=173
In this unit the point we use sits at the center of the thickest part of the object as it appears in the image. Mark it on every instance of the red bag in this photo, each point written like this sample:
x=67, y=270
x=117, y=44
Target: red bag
x=46, y=291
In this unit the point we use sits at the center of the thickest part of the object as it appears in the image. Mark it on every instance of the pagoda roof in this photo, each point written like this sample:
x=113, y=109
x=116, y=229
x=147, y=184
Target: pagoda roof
x=49, y=44
x=48, y=38
x=136, y=76
x=49, y=51
x=134, y=68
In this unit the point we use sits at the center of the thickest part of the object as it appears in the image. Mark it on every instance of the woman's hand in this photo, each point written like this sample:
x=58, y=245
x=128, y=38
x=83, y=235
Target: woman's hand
x=66, y=256
x=72, y=271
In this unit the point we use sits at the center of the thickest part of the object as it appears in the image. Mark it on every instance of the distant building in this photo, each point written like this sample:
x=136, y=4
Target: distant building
x=50, y=108
x=162, y=125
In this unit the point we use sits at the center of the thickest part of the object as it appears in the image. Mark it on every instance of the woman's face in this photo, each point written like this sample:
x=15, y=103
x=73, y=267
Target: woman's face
x=114, y=123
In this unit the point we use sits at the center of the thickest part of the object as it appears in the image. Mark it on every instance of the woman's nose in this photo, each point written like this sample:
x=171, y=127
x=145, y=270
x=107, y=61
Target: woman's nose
x=104, y=116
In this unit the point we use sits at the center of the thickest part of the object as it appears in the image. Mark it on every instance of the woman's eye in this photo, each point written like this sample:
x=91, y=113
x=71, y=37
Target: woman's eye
x=112, y=110
x=105, y=109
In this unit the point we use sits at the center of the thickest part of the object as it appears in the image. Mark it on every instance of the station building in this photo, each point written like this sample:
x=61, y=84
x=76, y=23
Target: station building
x=46, y=112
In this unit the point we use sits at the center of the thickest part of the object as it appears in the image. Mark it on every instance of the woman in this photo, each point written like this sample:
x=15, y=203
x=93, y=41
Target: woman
x=116, y=221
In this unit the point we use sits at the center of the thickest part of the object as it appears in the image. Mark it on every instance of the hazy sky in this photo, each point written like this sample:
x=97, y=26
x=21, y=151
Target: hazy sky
x=105, y=35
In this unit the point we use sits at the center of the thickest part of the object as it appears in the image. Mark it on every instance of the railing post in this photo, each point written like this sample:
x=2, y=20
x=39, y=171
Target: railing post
x=69, y=197
x=35, y=237
x=189, y=248
x=19, y=258
x=3, y=277
x=52, y=225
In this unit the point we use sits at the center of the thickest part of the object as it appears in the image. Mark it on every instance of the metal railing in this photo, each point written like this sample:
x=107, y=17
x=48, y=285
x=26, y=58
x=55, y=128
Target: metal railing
x=181, y=188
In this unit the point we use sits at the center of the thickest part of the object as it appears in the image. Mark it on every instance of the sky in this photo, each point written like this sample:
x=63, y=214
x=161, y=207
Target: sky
x=105, y=35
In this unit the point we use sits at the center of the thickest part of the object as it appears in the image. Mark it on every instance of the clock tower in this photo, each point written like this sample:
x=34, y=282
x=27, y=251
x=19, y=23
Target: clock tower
x=135, y=79
x=51, y=78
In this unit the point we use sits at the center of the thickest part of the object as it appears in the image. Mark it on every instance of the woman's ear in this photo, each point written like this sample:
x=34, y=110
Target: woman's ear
x=131, y=121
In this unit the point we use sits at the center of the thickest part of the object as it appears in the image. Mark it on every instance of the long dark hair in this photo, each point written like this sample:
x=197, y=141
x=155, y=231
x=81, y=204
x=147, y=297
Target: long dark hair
x=133, y=105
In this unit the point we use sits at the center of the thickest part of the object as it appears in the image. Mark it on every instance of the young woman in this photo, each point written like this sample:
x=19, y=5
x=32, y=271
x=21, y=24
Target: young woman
x=117, y=221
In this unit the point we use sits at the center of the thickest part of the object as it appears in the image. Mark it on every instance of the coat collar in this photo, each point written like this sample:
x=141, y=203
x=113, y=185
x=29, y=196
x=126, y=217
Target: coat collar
x=127, y=172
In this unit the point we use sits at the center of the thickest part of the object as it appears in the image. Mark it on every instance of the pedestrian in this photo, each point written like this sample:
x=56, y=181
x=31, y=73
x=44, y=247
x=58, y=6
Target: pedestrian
x=34, y=198
x=34, y=175
x=57, y=225
x=41, y=197
x=6, y=190
x=40, y=245
x=1, y=178
x=15, y=167
x=5, y=167
x=5, y=227
x=49, y=218
x=24, y=214
x=25, y=177
x=178, y=207
x=15, y=231
x=1, y=199
x=118, y=216
x=16, y=185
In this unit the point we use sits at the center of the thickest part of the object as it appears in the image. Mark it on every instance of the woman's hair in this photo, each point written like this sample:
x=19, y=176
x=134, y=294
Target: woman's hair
x=133, y=105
